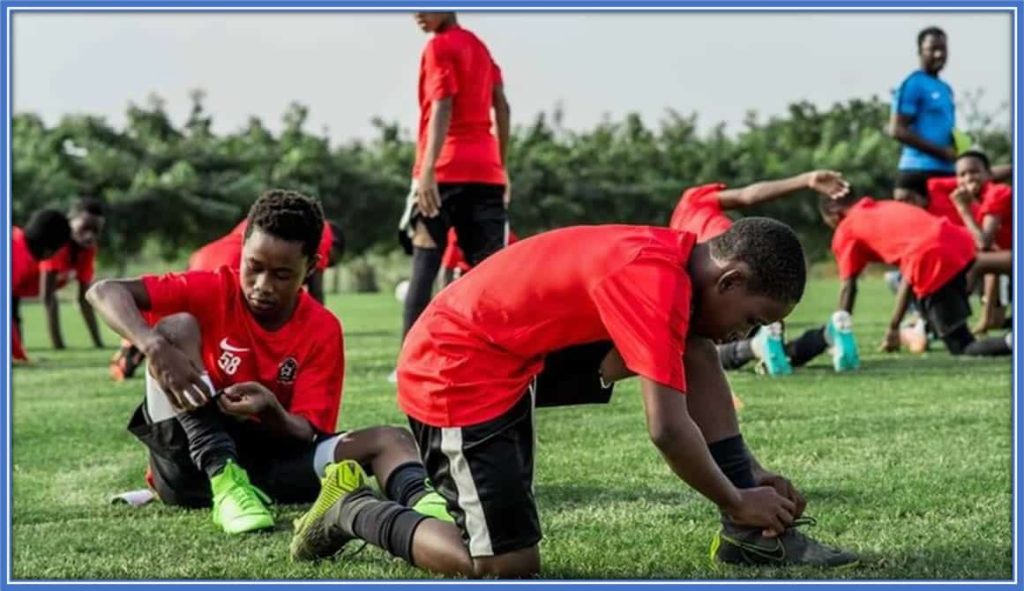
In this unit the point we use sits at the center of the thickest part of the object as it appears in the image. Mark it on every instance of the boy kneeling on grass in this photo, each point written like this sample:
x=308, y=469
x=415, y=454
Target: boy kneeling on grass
x=244, y=378
x=556, y=319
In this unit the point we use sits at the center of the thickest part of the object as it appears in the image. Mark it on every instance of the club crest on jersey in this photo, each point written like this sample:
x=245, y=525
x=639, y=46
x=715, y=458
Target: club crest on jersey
x=287, y=370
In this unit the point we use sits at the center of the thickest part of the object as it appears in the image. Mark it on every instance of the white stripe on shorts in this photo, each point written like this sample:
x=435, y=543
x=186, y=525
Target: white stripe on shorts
x=469, y=499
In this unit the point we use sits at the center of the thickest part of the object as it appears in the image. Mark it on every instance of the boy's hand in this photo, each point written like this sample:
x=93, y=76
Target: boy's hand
x=963, y=196
x=180, y=379
x=247, y=399
x=784, y=487
x=829, y=183
x=765, y=508
x=428, y=197
x=891, y=341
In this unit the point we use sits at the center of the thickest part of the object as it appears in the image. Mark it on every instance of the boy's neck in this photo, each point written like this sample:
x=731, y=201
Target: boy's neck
x=701, y=268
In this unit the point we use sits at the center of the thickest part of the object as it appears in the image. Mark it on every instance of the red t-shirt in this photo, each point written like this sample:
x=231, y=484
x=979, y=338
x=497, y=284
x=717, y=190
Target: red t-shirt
x=455, y=259
x=302, y=363
x=700, y=213
x=72, y=259
x=227, y=251
x=24, y=267
x=455, y=63
x=929, y=250
x=480, y=342
x=997, y=200
x=940, y=200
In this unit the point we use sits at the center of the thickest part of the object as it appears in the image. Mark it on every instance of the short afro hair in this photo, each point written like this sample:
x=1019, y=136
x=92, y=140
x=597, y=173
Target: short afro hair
x=929, y=31
x=89, y=205
x=288, y=215
x=772, y=252
x=46, y=231
x=979, y=155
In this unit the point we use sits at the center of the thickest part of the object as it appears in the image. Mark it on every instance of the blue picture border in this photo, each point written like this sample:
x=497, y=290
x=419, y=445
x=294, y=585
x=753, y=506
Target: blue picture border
x=12, y=6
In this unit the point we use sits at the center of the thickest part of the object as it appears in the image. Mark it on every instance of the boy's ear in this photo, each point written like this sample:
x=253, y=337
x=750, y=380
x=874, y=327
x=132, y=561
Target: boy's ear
x=732, y=278
x=313, y=262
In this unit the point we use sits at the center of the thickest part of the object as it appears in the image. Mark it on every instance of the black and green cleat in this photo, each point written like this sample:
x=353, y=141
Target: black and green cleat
x=746, y=546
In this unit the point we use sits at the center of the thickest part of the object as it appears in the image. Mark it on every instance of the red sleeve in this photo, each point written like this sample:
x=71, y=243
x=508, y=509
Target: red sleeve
x=317, y=394
x=691, y=201
x=438, y=72
x=943, y=185
x=644, y=306
x=998, y=202
x=85, y=266
x=60, y=261
x=850, y=256
x=194, y=292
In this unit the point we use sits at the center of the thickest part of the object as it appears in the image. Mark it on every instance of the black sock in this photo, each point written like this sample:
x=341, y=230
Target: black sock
x=384, y=524
x=407, y=484
x=209, y=444
x=736, y=354
x=958, y=340
x=990, y=347
x=732, y=458
x=807, y=346
x=425, y=264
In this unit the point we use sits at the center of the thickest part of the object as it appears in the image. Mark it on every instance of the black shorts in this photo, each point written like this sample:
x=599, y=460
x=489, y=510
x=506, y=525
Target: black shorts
x=476, y=211
x=948, y=308
x=485, y=471
x=917, y=180
x=283, y=471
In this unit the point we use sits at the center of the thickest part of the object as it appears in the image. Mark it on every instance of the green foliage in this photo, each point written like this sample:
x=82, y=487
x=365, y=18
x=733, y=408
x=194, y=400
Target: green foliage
x=183, y=187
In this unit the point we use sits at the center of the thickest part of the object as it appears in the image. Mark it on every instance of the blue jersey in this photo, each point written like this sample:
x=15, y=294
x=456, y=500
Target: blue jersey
x=928, y=102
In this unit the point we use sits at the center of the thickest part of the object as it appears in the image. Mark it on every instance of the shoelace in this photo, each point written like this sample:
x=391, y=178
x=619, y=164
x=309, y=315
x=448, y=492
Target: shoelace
x=802, y=521
x=251, y=498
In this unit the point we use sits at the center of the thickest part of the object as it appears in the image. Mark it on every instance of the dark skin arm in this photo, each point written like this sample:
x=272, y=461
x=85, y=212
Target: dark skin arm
x=428, y=197
x=502, y=116
x=891, y=341
x=120, y=303
x=52, y=307
x=682, y=445
x=252, y=399
x=826, y=182
x=848, y=294
x=89, y=315
x=899, y=129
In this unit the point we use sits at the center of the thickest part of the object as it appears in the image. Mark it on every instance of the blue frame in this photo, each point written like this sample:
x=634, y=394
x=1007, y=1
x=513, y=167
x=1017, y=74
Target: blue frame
x=10, y=6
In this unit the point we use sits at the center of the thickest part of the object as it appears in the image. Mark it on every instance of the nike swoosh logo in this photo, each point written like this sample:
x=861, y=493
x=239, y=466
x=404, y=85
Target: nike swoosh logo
x=224, y=344
x=776, y=553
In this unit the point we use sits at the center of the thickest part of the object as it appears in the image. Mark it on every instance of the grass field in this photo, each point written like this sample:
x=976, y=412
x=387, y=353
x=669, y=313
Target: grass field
x=907, y=461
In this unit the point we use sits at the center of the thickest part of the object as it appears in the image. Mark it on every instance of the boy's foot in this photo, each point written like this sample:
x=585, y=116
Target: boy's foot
x=238, y=506
x=319, y=532
x=125, y=362
x=433, y=505
x=914, y=337
x=746, y=546
x=771, y=353
x=839, y=331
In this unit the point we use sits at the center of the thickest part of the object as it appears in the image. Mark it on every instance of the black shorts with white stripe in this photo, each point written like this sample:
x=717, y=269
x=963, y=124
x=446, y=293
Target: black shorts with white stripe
x=485, y=471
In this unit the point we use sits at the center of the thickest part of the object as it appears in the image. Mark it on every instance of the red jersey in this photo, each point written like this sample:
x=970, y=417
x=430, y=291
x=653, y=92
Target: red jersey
x=227, y=251
x=455, y=259
x=72, y=260
x=477, y=346
x=455, y=63
x=997, y=201
x=940, y=200
x=24, y=267
x=700, y=213
x=928, y=249
x=302, y=362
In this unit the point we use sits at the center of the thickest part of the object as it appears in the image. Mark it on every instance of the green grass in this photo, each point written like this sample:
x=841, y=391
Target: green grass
x=906, y=461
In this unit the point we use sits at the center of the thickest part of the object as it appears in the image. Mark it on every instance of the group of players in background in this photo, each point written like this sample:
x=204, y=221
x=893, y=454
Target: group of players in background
x=244, y=366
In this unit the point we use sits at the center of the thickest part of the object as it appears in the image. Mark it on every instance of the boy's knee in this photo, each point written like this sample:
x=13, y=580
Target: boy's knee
x=518, y=564
x=180, y=329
